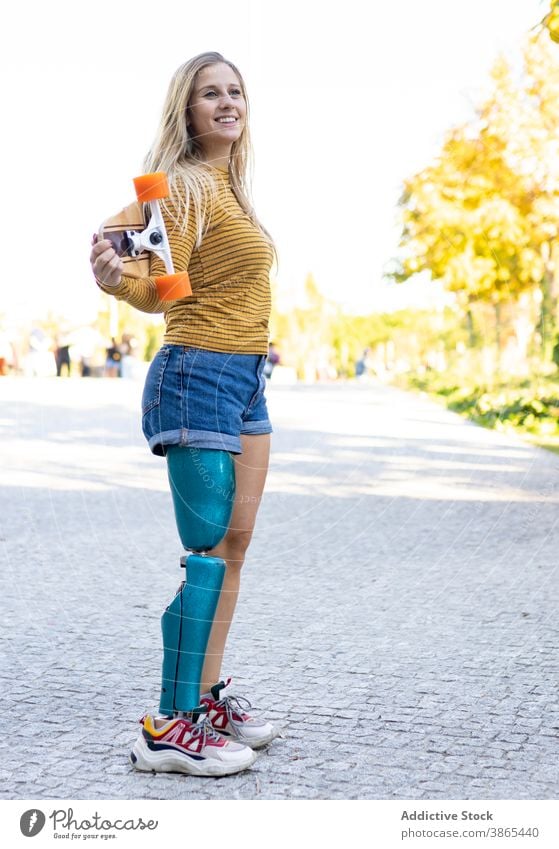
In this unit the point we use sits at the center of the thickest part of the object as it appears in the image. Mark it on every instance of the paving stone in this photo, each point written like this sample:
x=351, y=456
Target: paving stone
x=397, y=616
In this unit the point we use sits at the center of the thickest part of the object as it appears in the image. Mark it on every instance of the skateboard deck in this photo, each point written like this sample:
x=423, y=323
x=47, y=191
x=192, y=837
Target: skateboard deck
x=118, y=229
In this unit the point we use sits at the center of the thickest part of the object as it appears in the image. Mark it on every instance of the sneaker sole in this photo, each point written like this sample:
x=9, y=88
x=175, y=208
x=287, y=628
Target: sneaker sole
x=145, y=760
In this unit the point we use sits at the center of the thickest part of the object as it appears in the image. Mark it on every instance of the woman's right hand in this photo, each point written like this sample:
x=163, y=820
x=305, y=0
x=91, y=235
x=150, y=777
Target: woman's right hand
x=105, y=262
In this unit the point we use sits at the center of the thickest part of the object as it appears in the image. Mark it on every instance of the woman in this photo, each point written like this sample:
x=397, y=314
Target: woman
x=205, y=387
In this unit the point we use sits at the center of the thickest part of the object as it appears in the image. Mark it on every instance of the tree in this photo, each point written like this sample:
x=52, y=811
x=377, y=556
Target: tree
x=551, y=21
x=484, y=216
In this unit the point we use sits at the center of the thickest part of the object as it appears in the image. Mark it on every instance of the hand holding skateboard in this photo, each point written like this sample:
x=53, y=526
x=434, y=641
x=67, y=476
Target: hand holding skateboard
x=124, y=242
x=105, y=262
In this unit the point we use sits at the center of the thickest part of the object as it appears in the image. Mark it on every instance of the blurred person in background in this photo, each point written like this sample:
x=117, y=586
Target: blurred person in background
x=362, y=364
x=272, y=360
x=113, y=361
x=62, y=356
x=6, y=353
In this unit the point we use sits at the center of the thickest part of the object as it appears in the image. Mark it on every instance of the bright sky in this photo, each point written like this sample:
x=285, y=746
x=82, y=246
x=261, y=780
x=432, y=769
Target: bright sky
x=347, y=99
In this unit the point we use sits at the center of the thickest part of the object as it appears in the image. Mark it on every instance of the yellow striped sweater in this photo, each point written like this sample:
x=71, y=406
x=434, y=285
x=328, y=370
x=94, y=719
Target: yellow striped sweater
x=229, y=308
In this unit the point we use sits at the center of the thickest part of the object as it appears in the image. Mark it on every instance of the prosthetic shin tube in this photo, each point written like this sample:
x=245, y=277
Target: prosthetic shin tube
x=203, y=488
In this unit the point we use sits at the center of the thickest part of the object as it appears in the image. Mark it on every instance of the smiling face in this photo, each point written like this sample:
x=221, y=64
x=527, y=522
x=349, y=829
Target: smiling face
x=217, y=110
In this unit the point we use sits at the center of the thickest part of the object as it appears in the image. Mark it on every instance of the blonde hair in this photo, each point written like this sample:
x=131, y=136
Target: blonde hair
x=180, y=154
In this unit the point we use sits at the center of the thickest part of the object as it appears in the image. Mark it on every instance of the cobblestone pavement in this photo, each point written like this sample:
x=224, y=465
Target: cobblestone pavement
x=398, y=615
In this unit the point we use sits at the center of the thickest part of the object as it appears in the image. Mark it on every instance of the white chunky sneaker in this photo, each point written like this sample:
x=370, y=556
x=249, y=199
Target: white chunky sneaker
x=191, y=747
x=228, y=716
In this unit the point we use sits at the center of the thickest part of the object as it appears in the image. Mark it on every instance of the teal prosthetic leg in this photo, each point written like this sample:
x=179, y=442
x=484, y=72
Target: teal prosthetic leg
x=203, y=488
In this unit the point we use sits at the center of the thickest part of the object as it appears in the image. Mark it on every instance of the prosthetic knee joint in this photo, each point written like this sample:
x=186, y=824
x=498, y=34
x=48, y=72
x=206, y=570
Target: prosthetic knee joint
x=203, y=489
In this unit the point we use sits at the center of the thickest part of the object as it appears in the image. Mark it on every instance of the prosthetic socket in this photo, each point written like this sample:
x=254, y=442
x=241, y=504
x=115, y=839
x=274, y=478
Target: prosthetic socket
x=203, y=488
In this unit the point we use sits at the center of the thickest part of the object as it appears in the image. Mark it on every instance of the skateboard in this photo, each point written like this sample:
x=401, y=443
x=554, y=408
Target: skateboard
x=139, y=229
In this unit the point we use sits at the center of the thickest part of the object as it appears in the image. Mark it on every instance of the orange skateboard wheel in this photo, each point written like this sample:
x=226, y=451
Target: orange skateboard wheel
x=151, y=186
x=171, y=287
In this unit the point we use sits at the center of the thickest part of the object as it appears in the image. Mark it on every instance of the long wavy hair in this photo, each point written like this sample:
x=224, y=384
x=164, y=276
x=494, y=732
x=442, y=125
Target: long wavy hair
x=180, y=154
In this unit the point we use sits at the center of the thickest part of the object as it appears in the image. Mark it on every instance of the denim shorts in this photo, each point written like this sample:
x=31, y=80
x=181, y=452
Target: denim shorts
x=203, y=399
